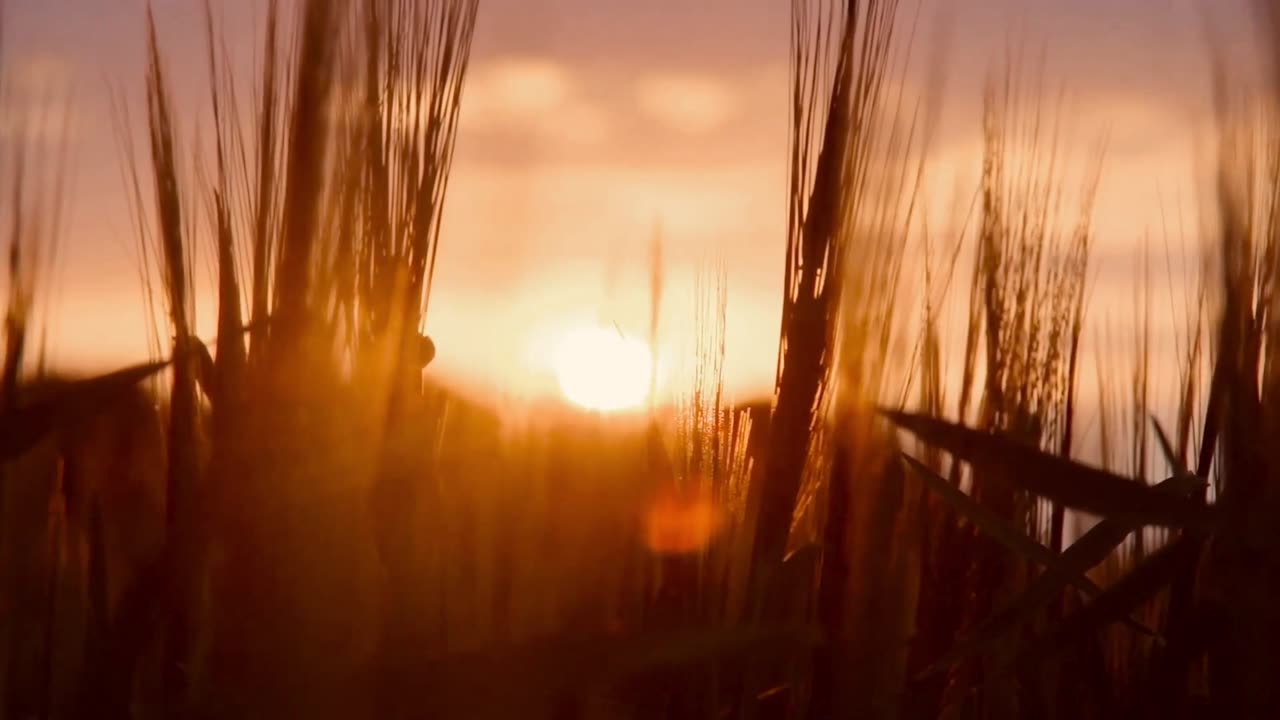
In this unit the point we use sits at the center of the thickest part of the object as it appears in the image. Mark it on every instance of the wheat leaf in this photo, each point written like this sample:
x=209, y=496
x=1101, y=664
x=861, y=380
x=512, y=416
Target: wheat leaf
x=25, y=425
x=1059, y=479
x=1170, y=455
x=990, y=523
x=1119, y=600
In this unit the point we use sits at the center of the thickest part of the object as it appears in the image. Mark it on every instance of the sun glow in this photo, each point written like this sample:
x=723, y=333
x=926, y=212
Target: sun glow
x=601, y=369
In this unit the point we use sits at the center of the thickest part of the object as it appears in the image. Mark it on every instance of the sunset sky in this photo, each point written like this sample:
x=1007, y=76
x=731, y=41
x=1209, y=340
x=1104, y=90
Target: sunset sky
x=590, y=124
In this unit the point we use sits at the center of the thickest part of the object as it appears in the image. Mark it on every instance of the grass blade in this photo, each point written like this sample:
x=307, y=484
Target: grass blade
x=1085, y=553
x=25, y=425
x=1115, y=604
x=1176, y=464
x=992, y=524
x=1119, y=600
x=1070, y=483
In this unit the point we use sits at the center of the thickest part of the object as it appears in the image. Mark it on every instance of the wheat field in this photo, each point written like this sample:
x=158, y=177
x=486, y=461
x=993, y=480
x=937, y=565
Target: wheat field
x=287, y=515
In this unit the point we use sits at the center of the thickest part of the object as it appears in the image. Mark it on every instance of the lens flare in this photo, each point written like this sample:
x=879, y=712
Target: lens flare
x=678, y=525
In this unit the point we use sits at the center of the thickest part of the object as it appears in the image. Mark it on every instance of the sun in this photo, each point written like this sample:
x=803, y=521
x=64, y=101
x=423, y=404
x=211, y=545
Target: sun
x=601, y=369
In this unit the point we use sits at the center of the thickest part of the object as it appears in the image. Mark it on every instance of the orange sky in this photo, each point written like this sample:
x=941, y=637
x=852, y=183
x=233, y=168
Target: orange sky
x=589, y=123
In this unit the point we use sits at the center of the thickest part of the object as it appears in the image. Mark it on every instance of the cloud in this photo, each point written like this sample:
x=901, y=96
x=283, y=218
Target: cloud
x=687, y=103
x=536, y=98
x=521, y=85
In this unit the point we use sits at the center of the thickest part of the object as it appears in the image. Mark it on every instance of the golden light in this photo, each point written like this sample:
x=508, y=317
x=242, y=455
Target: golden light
x=601, y=369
